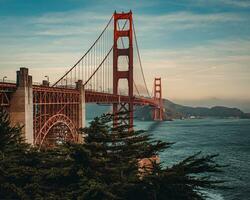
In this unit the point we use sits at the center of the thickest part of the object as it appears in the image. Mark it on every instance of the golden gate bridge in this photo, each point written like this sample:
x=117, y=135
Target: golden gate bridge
x=110, y=72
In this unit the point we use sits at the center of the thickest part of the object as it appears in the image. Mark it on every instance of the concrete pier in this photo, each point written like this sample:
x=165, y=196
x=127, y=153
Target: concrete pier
x=82, y=107
x=21, y=105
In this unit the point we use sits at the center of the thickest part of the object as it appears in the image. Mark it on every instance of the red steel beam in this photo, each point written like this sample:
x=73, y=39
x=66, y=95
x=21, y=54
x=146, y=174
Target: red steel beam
x=90, y=96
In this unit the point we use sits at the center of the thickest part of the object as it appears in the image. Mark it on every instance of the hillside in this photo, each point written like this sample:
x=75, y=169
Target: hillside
x=176, y=111
x=217, y=111
x=173, y=111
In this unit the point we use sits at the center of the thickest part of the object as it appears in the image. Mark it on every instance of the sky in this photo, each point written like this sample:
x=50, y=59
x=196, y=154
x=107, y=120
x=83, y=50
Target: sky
x=200, y=48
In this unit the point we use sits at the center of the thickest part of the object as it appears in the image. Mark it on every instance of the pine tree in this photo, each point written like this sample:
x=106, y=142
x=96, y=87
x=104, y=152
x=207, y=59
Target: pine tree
x=26, y=172
x=106, y=166
x=15, y=170
x=115, y=159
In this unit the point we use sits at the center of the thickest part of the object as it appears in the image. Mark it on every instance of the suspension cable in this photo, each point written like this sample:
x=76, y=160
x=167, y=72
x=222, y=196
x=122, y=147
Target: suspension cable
x=104, y=58
x=85, y=53
x=99, y=66
x=139, y=57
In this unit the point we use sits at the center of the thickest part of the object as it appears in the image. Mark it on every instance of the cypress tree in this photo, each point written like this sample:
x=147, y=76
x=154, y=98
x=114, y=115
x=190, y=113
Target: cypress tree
x=16, y=170
x=115, y=159
x=106, y=166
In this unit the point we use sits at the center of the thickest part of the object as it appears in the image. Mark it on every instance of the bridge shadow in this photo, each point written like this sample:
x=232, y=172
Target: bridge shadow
x=153, y=126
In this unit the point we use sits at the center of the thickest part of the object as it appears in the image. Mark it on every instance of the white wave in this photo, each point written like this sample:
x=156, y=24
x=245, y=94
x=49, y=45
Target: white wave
x=213, y=196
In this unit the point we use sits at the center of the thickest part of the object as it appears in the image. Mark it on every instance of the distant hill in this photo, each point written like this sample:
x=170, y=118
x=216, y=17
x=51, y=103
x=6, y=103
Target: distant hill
x=177, y=111
x=217, y=111
x=172, y=111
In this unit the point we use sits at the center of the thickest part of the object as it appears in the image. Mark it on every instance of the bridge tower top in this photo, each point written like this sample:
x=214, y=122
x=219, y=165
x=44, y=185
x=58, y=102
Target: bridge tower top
x=120, y=33
x=157, y=88
x=158, y=112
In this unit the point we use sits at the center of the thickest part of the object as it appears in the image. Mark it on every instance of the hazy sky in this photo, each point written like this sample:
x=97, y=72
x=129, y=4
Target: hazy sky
x=201, y=48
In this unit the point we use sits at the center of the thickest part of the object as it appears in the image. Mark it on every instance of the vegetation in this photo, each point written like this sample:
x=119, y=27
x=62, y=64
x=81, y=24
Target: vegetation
x=107, y=166
x=177, y=111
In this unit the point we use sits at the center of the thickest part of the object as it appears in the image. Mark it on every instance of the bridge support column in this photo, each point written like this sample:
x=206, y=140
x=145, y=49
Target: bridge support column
x=158, y=111
x=119, y=74
x=21, y=105
x=82, y=108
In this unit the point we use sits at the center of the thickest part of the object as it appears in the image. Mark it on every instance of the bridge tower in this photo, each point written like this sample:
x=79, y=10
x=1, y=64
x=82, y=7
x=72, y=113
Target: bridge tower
x=158, y=111
x=21, y=104
x=119, y=74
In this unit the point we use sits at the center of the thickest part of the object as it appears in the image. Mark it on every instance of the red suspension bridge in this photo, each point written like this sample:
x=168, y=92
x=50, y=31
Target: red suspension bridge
x=110, y=72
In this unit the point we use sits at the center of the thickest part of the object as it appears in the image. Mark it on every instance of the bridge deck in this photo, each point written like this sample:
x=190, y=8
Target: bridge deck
x=90, y=95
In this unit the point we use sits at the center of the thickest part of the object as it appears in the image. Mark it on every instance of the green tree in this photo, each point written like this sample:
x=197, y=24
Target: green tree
x=115, y=154
x=15, y=163
x=106, y=166
x=29, y=173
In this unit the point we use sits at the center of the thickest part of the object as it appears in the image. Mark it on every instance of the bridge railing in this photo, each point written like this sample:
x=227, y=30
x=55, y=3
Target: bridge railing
x=7, y=81
x=36, y=83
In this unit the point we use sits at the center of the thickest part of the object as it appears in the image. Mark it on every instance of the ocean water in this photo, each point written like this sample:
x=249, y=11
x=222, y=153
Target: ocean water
x=230, y=138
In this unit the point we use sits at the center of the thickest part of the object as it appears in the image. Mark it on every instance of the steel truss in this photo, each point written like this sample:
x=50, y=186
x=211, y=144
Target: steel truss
x=54, y=108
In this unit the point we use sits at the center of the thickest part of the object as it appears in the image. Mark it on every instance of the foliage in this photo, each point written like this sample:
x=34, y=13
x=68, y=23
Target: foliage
x=106, y=166
x=117, y=153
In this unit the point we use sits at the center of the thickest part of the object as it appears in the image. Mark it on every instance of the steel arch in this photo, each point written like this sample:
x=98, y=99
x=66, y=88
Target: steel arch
x=51, y=122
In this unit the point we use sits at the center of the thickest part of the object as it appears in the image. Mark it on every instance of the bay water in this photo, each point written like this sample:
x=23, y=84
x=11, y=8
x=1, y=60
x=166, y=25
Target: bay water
x=230, y=138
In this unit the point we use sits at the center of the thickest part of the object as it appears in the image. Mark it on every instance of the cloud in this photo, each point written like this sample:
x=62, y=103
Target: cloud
x=52, y=42
x=238, y=3
x=184, y=20
x=54, y=24
x=219, y=67
x=219, y=4
x=226, y=50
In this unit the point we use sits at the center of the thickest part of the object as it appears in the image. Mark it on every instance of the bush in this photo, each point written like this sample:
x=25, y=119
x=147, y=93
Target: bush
x=106, y=166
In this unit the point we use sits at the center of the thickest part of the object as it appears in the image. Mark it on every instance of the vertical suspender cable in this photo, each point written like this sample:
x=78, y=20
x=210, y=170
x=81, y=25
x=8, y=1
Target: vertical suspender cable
x=84, y=54
x=139, y=57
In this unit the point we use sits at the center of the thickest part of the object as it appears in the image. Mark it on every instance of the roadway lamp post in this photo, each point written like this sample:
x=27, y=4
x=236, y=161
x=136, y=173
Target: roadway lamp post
x=4, y=78
x=66, y=82
x=47, y=78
